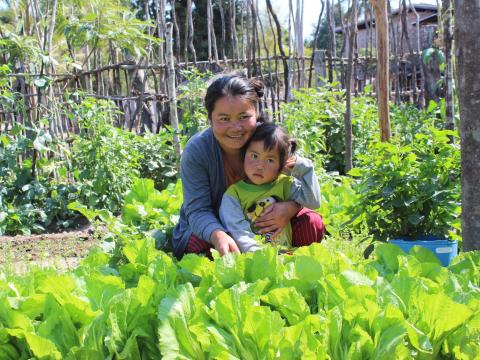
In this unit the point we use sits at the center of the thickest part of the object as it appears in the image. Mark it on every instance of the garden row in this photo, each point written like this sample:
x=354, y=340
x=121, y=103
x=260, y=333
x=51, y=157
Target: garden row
x=406, y=187
x=129, y=300
x=321, y=302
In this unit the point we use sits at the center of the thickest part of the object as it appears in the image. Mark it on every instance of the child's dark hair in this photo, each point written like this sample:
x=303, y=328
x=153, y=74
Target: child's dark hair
x=273, y=136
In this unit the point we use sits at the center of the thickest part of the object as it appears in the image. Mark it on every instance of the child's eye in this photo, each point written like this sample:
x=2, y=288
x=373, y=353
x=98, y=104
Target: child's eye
x=271, y=161
x=223, y=119
x=254, y=156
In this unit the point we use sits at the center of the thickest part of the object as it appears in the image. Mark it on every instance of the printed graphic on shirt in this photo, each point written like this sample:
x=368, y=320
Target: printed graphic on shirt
x=255, y=210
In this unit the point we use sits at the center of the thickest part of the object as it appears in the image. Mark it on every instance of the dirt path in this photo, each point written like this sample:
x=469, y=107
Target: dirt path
x=60, y=250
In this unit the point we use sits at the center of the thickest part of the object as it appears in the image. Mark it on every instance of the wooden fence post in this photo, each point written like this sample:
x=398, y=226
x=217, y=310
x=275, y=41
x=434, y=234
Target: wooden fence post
x=320, y=68
x=172, y=92
x=382, y=80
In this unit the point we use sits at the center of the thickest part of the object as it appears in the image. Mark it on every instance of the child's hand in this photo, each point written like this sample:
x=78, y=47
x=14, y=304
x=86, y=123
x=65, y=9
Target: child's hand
x=290, y=163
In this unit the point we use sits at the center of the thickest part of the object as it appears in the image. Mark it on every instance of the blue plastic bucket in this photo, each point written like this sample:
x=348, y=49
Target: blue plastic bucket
x=444, y=250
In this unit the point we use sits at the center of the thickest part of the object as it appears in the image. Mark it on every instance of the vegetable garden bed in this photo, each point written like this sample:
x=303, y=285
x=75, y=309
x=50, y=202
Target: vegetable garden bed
x=321, y=302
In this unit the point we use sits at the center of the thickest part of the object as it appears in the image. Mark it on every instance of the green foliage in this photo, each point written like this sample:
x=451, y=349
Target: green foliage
x=31, y=202
x=338, y=198
x=148, y=209
x=104, y=158
x=20, y=48
x=410, y=190
x=7, y=96
x=192, y=111
x=408, y=120
x=316, y=119
x=306, y=117
x=430, y=53
x=103, y=24
x=318, y=302
x=157, y=160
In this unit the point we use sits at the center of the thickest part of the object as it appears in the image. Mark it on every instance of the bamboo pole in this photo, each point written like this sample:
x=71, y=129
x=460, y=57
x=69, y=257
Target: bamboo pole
x=396, y=80
x=222, y=19
x=177, y=30
x=172, y=88
x=332, y=47
x=447, y=43
x=315, y=39
x=348, y=82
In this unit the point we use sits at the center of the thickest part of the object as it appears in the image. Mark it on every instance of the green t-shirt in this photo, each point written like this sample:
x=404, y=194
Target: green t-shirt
x=253, y=199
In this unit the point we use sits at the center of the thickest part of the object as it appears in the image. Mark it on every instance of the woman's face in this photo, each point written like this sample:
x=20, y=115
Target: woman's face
x=233, y=122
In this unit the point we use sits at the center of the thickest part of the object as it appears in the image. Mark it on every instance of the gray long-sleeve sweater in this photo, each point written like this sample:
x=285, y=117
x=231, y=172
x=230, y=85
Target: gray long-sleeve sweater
x=203, y=182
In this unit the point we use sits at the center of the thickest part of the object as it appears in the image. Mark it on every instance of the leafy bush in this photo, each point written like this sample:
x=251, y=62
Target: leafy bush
x=148, y=209
x=410, y=190
x=407, y=120
x=32, y=202
x=192, y=112
x=338, y=198
x=157, y=160
x=104, y=158
x=315, y=118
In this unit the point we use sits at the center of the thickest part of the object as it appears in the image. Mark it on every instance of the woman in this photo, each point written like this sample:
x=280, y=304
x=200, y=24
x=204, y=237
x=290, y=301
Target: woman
x=212, y=161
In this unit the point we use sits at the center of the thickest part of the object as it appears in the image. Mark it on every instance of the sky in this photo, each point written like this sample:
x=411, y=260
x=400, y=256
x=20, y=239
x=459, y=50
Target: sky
x=312, y=10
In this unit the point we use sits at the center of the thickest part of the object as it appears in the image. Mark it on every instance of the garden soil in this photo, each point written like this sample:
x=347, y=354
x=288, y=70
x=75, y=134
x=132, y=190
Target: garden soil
x=62, y=251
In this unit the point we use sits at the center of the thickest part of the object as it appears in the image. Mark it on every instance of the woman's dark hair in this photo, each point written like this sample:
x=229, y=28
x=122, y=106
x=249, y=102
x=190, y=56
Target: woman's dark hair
x=233, y=85
x=273, y=136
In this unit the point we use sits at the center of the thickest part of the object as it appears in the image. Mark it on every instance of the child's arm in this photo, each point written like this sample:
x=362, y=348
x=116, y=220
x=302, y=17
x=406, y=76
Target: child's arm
x=237, y=225
x=305, y=189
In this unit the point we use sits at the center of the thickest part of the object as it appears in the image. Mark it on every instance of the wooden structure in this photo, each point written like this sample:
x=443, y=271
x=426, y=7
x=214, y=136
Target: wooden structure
x=139, y=87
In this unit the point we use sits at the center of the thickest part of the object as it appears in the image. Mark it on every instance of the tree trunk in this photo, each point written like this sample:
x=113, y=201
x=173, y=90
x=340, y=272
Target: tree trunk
x=299, y=41
x=189, y=33
x=233, y=30
x=382, y=81
x=467, y=46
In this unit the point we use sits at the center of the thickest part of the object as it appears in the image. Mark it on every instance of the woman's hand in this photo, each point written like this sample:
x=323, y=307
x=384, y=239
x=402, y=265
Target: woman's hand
x=223, y=243
x=275, y=217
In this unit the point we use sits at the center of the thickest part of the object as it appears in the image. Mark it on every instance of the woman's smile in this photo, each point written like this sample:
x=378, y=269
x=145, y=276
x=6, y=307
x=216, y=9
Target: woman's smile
x=233, y=122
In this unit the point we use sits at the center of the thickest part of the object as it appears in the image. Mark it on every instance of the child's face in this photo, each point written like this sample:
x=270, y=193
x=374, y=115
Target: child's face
x=261, y=166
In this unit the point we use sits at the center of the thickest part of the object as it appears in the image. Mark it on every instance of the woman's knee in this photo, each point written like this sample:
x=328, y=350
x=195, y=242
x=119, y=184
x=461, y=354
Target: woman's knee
x=198, y=246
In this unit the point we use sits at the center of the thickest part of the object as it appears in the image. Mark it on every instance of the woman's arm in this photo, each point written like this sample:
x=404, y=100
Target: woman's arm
x=197, y=194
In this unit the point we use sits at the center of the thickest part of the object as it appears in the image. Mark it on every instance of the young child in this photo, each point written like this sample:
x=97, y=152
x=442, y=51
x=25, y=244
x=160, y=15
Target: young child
x=268, y=152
